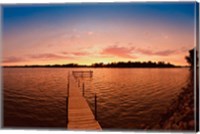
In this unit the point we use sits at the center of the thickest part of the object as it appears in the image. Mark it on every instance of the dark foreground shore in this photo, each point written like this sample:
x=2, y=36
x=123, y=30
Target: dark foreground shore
x=180, y=115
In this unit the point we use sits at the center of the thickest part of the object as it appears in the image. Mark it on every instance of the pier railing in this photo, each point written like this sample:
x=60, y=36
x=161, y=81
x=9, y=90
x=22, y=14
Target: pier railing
x=82, y=73
x=95, y=99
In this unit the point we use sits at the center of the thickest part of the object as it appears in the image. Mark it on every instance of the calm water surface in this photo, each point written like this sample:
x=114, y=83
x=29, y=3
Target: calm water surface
x=127, y=98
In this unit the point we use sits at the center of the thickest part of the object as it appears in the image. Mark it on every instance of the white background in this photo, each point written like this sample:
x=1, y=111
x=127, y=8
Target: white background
x=10, y=131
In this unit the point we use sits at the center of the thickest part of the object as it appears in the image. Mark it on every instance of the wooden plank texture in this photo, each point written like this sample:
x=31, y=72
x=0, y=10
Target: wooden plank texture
x=80, y=116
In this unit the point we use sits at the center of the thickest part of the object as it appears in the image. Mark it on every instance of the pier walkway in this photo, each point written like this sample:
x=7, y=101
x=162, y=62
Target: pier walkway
x=80, y=116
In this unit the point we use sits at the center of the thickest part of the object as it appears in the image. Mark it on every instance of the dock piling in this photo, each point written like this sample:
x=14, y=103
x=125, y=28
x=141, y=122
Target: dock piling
x=83, y=88
x=95, y=106
x=68, y=86
x=67, y=102
x=78, y=83
x=68, y=89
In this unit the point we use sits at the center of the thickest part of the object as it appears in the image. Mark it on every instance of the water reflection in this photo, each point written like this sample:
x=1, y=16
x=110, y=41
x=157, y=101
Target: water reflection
x=127, y=98
x=181, y=114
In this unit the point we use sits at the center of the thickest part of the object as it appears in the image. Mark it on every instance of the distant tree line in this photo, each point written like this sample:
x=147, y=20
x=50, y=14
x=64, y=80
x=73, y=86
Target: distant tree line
x=47, y=66
x=129, y=64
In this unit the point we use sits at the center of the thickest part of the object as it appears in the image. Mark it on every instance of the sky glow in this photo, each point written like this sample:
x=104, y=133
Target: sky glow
x=88, y=33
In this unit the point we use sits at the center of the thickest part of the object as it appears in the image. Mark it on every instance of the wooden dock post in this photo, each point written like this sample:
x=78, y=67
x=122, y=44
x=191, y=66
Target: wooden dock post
x=68, y=83
x=83, y=89
x=67, y=102
x=68, y=76
x=68, y=89
x=91, y=73
x=68, y=86
x=95, y=106
x=78, y=83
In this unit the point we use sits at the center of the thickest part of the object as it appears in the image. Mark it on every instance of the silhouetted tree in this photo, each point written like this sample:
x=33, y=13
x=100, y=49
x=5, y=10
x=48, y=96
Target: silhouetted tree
x=191, y=58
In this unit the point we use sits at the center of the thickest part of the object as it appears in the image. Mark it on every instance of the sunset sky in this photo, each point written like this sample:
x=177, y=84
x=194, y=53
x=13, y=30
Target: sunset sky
x=88, y=33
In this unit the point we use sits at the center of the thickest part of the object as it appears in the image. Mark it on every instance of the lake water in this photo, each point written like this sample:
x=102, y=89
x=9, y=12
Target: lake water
x=127, y=98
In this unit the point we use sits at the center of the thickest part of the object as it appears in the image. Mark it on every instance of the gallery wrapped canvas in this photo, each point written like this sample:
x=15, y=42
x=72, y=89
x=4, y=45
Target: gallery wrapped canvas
x=101, y=66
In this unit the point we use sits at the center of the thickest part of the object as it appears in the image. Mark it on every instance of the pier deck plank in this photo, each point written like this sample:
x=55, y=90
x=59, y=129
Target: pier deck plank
x=80, y=116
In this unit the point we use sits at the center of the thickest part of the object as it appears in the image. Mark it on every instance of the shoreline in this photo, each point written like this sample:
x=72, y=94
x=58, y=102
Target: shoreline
x=180, y=115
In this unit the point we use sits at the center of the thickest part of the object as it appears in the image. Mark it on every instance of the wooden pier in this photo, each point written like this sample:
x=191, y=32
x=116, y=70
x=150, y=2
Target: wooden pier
x=80, y=116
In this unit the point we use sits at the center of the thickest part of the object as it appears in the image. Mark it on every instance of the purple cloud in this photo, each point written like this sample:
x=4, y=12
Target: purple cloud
x=145, y=51
x=165, y=52
x=80, y=53
x=75, y=53
x=49, y=56
x=159, y=53
x=13, y=59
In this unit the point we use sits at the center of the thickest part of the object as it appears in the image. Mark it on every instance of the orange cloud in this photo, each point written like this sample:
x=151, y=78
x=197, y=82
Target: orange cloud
x=90, y=33
x=80, y=53
x=122, y=52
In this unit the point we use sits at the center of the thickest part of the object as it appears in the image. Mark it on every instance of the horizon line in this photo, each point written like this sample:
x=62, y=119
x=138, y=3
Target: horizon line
x=92, y=64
